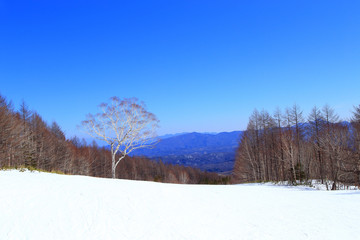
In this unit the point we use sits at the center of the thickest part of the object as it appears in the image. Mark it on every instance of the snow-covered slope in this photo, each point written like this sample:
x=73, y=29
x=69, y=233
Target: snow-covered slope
x=50, y=206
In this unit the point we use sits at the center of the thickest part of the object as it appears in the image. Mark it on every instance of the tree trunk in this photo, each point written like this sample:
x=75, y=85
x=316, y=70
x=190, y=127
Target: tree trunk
x=114, y=164
x=113, y=167
x=334, y=185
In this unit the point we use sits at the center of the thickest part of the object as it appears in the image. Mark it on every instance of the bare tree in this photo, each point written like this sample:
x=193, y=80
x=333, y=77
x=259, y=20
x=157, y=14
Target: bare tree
x=278, y=118
x=315, y=128
x=125, y=125
x=356, y=112
x=355, y=122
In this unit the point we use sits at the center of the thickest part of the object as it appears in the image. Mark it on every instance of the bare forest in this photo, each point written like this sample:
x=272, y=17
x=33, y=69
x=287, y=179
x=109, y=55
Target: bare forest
x=284, y=146
x=287, y=146
x=27, y=141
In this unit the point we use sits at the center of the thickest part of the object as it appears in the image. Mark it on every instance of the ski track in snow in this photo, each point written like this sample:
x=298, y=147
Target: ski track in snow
x=49, y=206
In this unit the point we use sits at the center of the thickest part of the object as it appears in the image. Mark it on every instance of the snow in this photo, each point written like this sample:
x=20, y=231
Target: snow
x=37, y=205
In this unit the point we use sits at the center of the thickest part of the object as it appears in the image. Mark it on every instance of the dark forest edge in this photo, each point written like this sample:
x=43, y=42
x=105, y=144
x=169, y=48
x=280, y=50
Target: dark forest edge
x=284, y=147
x=26, y=141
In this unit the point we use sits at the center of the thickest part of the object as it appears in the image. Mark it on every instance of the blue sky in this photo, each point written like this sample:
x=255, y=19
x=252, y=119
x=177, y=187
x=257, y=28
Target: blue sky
x=198, y=65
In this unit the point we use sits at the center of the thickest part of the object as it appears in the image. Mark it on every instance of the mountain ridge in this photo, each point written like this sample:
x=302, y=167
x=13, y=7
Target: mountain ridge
x=206, y=151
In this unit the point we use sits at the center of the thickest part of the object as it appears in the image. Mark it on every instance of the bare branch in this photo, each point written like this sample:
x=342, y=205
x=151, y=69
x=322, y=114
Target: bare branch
x=125, y=125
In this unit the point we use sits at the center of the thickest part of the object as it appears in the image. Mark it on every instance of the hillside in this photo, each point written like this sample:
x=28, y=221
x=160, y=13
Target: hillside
x=210, y=152
x=49, y=206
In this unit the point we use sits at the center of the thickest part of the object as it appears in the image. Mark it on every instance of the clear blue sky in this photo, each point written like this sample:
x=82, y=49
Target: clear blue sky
x=199, y=65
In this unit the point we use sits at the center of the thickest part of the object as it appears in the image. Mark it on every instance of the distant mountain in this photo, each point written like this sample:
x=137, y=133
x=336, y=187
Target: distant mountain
x=171, y=135
x=207, y=151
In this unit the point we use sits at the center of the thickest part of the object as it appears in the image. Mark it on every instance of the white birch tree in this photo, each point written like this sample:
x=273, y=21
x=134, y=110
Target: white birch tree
x=125, y=125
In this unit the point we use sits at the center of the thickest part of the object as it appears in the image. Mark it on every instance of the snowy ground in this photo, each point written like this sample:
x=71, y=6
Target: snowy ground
x=50, y=206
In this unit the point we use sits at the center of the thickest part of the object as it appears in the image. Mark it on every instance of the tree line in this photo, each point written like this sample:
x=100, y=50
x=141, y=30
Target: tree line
x=285, y=146
x=26, y=140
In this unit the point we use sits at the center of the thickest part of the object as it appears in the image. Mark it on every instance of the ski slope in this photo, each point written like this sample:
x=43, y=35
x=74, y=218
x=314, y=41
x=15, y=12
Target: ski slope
x=37, y=205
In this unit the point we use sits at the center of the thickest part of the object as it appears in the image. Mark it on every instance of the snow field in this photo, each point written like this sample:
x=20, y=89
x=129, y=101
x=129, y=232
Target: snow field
x=49, y=206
